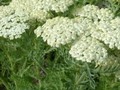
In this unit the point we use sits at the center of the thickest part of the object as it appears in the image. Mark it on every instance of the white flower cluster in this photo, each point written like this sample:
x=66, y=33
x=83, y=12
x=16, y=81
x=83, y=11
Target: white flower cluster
x=57, y=31
x=104, y=14
x=93, y=12
x=90, y=26
x=12, y=26
x=83, y=26
x=30, y=7
x=103, y=27
x=38, y=9
x=88, y=11
x=5, y=11
x=88, y=49
x=62, y=30
x=55, y=5
x=106, y=27
x=109, y=32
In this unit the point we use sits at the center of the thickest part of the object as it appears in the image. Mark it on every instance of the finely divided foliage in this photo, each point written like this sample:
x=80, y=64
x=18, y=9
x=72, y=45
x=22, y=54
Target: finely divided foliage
x=89, y=22
x=66, y=35
x=91, y=26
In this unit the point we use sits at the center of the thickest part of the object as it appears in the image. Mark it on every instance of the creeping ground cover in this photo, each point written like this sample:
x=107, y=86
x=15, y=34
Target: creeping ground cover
x=59, y=44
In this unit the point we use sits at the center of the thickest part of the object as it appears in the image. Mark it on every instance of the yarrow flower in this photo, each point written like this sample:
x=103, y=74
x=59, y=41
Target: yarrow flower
x=88, y=49
x=47, y=5
x=90, y=26
x=108, y=32
x=57, y=31
x=83, y=25
x=30, y=7
x=62, y=30
x=87, y=11
x=103, y=26
x=5, y=11
x=93, y=12
x=104, y=14
x=12, y=26
x=38, y=9
x=55, y=5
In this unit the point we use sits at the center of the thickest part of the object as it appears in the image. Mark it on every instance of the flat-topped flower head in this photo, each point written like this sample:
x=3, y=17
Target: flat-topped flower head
x=38, y=9
x=104, y=26
x=13, y=26
x=31, y=7
x=93, y=12
x=87, y=11
x=104, y=14
x=88, y=49
x=5, y=11
x=55, y=5
x=58, y=31
x=83, y=25
x=108, y=32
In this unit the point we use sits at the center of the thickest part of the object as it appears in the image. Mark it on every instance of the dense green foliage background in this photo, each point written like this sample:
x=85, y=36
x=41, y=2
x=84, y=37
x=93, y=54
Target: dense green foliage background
x=29, y=63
